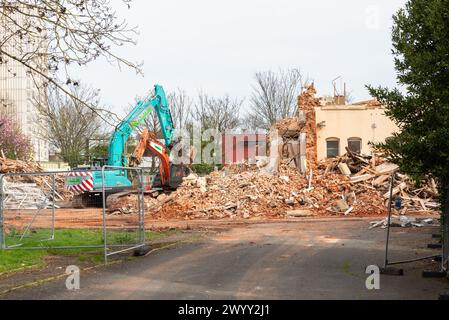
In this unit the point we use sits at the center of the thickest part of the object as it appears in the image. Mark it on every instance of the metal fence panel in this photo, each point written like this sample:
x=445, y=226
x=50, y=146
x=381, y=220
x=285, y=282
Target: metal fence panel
x=28, y=209
x=124, y=216
x=37, y=209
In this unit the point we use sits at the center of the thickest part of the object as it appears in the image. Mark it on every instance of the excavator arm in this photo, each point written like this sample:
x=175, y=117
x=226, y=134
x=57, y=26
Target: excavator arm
x=158, y=103
x=149, y=142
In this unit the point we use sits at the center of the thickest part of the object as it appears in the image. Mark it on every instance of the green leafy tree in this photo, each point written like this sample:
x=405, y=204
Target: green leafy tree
x=421, y=106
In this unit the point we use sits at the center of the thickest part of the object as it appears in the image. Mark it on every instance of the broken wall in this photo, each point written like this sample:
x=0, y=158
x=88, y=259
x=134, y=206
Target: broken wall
x=307, y=102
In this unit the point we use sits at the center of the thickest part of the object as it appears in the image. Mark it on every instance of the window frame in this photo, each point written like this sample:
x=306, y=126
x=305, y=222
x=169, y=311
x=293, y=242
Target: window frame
x=355, y=139
x=332, y=139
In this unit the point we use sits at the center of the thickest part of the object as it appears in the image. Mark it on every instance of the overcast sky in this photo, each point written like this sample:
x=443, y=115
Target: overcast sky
x=217, y=46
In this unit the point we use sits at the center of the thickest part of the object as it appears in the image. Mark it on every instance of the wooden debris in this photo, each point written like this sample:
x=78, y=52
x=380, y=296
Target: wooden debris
x=43, y=182
x=363, y=178
x=344, y=169
x=396, y=190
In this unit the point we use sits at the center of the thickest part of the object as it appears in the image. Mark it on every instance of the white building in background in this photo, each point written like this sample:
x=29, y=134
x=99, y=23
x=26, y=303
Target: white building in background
x=16, y=101
x=19, y=90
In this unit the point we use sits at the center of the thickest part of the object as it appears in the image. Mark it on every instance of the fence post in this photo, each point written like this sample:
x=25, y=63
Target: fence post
x=142, y=206
x=53, y=209
x=2, y=231
x=390, y=200
x=445, y=242
x=104, y=216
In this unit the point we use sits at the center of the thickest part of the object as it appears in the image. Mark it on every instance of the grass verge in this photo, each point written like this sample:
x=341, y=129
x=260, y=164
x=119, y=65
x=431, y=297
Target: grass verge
x=22, y=258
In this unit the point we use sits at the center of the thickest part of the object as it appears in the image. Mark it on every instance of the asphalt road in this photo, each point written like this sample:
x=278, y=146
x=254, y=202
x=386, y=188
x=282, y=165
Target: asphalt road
x=303, y=260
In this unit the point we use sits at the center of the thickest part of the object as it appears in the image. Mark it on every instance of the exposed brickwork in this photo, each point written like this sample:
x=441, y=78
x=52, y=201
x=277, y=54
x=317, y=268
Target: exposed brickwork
x=307, y=102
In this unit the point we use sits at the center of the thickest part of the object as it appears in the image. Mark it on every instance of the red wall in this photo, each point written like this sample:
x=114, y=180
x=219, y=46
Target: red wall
x=240, y=147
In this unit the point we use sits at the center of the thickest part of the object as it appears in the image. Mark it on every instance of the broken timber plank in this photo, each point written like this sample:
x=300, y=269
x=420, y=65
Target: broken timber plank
x=365, y=177
x=396, y=190
x=380, y=180
x=386, y=168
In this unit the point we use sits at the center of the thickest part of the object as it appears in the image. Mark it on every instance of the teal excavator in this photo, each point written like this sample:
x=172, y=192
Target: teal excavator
x=88, y=184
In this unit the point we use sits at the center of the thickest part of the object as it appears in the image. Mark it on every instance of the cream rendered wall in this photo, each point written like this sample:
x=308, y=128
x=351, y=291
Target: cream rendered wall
x=344, y=122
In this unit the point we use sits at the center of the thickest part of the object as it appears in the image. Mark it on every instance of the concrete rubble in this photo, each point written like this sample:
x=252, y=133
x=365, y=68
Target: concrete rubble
x=403, y=222
x=30, y=191
x=25, y=196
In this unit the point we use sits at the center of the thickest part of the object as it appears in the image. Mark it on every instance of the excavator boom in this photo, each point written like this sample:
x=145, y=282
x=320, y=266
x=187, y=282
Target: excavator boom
x=158, y=103
x=148, y=142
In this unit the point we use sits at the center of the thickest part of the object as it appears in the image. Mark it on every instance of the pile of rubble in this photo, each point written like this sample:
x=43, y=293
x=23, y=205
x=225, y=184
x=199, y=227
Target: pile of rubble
x=129, y=204
x=225, y=194
x=25, y=196
x=370, y=177
x=404, y=222
x=252, y=194
x=30, y=191
x=17, y=166
x=348, y=185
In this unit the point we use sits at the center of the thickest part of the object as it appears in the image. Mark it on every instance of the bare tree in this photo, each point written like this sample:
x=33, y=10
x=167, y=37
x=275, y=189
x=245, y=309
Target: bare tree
x=274, y=97
x=218, y=113
x=180, y=105
x=49, y=36
x=67, y=124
